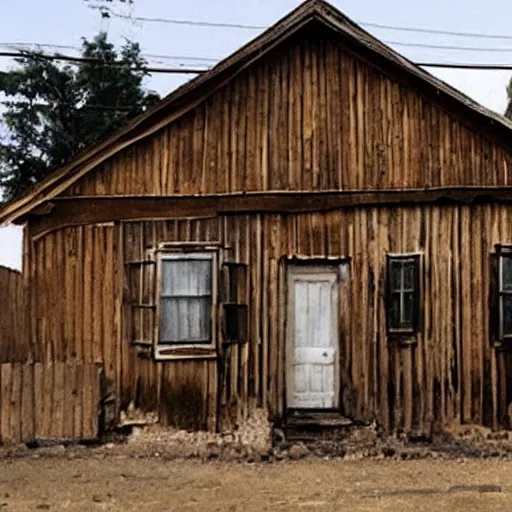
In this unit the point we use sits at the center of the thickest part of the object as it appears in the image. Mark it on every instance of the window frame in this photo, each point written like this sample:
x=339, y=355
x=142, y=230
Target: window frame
x=413, y=330
x=503, y=252
x=183, y=350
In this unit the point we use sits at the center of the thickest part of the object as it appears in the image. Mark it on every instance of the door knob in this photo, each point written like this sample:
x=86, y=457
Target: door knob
x=325, y=354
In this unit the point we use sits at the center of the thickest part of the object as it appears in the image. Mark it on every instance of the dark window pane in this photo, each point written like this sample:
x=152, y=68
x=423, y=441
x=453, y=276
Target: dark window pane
x=403, y=293
x=396, y=275
x=409, y=281
x=506, y=320
x=408, y=309
x=506, y=262
x=394, y=311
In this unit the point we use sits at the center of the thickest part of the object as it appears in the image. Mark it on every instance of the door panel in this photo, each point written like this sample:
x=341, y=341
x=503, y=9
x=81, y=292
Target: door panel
x=312, y=338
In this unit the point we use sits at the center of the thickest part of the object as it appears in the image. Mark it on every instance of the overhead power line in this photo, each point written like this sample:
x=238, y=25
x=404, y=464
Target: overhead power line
x=20, y=44
x=26, y=46
x=147, y=69
x=398, y=43
x=198, y=23
x=193, y=58
x=193, y=23
x=475, y=67
x=180, y=57
x=448, y=47
x=120, y=108
x=438, y=31
x=69, y=58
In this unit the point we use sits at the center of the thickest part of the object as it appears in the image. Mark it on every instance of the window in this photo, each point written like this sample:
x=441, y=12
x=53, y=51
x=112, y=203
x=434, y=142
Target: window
x=171, y=292
x=186, y=298
x=403, y=294
x=505, y=295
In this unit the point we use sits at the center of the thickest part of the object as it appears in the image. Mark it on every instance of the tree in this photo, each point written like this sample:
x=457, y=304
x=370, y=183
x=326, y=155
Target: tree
x=508, y=111
x=54, y=111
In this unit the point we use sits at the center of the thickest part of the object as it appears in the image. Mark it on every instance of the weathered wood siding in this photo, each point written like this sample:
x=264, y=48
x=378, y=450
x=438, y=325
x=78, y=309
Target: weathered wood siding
x=310, y=116
x=13, y=334
x=75, y=297
x=49, y=401
x=452, y=373
x=185, y=393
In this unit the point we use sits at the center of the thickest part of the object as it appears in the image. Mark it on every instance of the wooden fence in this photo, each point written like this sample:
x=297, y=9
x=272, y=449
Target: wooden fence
x=13, y=340
x=49, y=401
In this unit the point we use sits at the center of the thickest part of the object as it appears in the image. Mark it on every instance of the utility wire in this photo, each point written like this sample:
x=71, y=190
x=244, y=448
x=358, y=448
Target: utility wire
x=454, y=65
x=180, y=57
x=210, y=59
x=439, y=32
x=448, y=47
x=63, y=103
x=192, y=23
x=196, y=23
x=19, y=44
x=69, y=58
x=22, y=46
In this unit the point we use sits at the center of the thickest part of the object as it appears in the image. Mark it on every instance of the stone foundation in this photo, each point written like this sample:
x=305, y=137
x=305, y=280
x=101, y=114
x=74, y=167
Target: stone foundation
x=250, y=439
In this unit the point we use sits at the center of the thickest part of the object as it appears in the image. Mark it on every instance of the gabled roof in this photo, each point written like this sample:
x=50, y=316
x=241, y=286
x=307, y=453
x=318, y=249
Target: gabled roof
x=192, y=93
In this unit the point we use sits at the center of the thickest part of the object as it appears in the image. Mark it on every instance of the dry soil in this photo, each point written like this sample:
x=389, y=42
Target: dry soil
x=150, y=484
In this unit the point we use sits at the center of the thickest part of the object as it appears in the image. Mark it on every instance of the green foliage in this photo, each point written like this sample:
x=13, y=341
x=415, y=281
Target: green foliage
x=54, y=111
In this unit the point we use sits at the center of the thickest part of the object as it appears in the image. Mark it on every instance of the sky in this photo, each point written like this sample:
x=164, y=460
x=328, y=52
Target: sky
x=65, y=22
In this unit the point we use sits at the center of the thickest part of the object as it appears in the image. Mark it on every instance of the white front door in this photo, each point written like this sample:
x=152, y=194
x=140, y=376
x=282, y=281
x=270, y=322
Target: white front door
x=312, y=338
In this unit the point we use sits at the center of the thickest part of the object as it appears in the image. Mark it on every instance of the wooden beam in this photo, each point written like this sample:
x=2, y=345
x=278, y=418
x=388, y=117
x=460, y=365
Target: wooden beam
x=43, y=209
x=76, y=211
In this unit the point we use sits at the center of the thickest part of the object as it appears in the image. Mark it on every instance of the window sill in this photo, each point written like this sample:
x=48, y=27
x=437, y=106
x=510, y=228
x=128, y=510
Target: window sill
x=403, y=339
x=172, y=353
x=502, y=345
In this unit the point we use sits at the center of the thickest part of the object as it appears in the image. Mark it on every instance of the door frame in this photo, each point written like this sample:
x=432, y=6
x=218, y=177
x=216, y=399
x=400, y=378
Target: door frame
x=340, y=267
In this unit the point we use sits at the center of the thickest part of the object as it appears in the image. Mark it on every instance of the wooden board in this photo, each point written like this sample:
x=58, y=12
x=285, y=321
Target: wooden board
x=14, y=343
x=48, y=401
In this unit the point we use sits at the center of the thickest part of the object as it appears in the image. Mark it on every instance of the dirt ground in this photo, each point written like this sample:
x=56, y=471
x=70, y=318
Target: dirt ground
x=151, y=484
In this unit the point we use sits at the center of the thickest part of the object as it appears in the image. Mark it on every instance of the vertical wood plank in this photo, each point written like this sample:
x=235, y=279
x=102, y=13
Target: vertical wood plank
x=88, y=296
x=87, y=401
x=466, y=316
x=58, y=402
x=6, y=436
x=48, y=403
x=69, y=377
x=16, y=406
x=38, y=400
x=27, y=403
x=97, y=280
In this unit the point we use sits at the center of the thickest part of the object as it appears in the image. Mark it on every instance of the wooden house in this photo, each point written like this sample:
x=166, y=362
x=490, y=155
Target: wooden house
x=315, y=224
